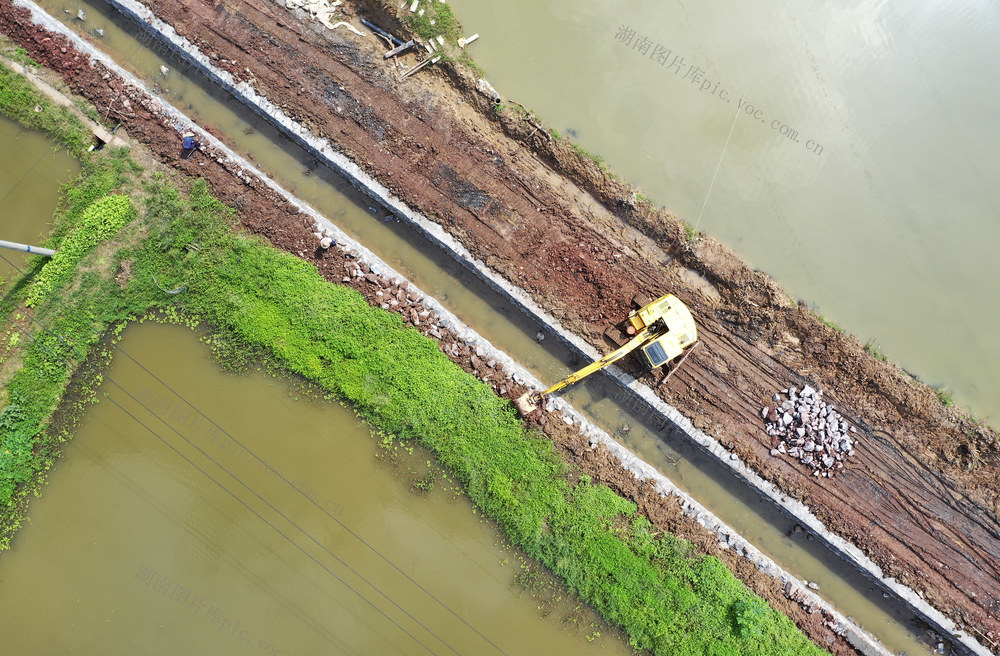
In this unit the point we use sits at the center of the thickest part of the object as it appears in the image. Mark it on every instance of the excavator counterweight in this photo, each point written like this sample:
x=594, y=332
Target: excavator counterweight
x=661, y=331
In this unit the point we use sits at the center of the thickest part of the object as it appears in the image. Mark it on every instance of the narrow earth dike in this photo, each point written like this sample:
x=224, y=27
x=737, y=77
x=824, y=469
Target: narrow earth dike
x=919, y=496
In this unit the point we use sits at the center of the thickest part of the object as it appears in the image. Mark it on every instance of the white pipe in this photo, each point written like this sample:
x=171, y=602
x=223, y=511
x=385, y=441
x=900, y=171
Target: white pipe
x=348, y=26
x=34, y=250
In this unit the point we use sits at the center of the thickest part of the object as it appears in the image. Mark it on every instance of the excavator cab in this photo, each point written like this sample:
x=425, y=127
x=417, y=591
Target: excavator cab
x=675, y=332
x=662, y=331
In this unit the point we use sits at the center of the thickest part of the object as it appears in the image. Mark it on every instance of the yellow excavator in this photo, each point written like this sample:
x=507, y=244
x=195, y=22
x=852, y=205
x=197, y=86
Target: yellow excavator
x=663, y=332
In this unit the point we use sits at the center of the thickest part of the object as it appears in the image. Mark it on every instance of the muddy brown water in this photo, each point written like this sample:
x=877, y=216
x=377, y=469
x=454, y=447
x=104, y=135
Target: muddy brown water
x=31, y=171
x=858, y=171
x=146, y=543
x=736, y=504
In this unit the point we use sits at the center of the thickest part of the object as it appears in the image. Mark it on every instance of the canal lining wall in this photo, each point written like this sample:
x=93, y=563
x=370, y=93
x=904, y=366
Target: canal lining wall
x=167, y=37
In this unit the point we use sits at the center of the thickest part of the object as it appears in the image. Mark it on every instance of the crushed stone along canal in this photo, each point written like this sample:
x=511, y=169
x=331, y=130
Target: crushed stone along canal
x=738, y=506
x=188, y=543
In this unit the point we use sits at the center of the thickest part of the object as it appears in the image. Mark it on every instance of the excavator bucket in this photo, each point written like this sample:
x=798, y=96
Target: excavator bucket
x=526, y=403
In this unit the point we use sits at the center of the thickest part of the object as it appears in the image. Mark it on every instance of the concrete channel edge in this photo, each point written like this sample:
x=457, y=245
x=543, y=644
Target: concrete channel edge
x=321, y=148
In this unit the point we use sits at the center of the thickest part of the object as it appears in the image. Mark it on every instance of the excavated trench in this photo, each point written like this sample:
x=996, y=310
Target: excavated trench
x=509, y=320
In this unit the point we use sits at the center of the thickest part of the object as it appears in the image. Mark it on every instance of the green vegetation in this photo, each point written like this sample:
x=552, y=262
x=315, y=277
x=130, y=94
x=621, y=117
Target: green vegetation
x=518, y=108
x=100, y=222
x=426, y=482
x=21, y=56
x=19, y=101
x=437, y=19
x=945, y=397
x=466, y=60
x=873, y=349
x=583, y=152
x=829, y=323
x=88, y=110
x=36, y=364
x=689, y=232
x=667, y=597
x=71, y=311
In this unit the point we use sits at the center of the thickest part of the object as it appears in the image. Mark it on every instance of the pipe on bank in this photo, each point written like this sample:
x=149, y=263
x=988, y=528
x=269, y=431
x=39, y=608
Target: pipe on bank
x=25, y=248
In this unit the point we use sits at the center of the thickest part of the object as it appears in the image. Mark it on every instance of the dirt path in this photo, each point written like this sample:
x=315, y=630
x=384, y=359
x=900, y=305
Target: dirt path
x=919, y=497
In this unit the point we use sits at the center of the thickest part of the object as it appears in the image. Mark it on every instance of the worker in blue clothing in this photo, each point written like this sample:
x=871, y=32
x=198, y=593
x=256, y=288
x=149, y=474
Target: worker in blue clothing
x=189, y=144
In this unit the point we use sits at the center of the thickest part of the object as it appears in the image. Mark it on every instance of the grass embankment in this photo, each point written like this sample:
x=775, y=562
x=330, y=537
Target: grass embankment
x=35, y=365
x=40, y=347
x=438, y=20
x=667, y=598
x=20, y=101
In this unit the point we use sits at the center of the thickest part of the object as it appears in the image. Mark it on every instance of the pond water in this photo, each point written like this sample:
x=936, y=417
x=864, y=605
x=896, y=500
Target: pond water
x=162, y=534
x=31, y=172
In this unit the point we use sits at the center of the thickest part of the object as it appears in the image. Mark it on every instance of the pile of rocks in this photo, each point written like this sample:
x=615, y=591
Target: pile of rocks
x=809, y=430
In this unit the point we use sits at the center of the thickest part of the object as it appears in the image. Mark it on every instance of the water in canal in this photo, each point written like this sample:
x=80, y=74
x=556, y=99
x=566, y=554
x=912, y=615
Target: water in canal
x=160, y=534
x=31, y=171
x=506, y=327
x=860, y=145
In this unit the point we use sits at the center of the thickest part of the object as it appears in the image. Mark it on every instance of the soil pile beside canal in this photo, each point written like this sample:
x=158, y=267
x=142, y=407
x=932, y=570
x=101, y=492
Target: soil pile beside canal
x=919, y=495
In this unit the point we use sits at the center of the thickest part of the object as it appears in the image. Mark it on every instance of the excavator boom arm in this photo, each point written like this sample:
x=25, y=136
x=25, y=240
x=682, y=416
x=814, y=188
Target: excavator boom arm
x=666, y=330
x=597, y=365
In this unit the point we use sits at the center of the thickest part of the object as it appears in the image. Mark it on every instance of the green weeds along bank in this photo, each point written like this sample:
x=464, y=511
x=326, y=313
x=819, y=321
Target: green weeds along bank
x=120, y=227
x=100, y=222
x=40, y=347
x=20, y=101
